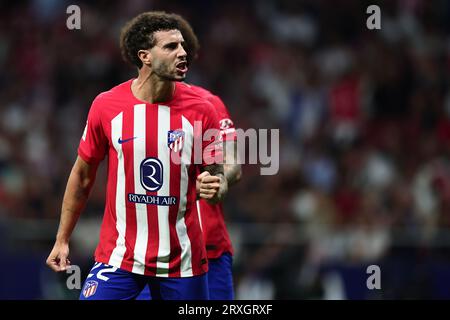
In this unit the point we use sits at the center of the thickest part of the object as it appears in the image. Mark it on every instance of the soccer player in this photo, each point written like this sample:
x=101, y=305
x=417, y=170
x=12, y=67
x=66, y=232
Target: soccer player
x=218, y=244
x=150, y=234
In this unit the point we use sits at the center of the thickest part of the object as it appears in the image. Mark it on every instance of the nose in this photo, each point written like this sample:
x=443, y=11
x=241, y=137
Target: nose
x=182, y=52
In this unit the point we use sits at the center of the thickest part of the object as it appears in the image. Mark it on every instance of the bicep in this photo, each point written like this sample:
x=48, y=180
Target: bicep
x=212, y=147
x=85, y=171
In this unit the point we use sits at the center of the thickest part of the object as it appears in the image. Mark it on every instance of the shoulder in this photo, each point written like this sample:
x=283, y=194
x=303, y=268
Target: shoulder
x=200, y=90
x=190, y=98
x=113, y=95
x=212, y=98
x=121, y=91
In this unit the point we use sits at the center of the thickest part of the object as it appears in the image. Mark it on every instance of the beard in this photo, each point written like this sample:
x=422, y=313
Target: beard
x=163, y=71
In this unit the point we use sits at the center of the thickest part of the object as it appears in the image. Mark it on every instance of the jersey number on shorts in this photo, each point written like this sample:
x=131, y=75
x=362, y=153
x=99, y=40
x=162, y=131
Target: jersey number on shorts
x=100, y=275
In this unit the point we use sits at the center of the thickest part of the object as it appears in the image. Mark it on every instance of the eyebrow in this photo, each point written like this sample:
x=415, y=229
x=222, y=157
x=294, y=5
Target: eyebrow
x=171, y=43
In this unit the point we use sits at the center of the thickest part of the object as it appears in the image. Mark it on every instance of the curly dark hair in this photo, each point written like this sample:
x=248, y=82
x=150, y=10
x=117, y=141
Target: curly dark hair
x=191, y=44
x=138, y=33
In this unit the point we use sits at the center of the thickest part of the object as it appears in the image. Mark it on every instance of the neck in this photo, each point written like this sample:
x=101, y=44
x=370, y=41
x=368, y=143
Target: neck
x=151, y=88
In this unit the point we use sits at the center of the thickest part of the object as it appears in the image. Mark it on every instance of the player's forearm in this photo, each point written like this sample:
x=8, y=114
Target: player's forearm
x=75, y=198
x=214, y=169
x=218, y=171
x=233, y=173
x=232, y=168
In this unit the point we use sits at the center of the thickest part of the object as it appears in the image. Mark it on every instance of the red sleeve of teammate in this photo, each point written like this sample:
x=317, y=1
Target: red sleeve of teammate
x=227, y=129
x=93, y=143
x=212, y=147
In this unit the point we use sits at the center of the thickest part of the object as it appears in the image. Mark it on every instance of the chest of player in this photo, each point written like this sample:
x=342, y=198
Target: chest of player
x=152, y=131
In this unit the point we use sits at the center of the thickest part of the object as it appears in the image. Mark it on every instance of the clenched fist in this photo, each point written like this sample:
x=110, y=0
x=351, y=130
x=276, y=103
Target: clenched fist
x=211, y=188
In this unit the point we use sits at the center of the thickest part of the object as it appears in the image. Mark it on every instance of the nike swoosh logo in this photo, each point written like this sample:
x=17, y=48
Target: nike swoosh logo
x=120, y=141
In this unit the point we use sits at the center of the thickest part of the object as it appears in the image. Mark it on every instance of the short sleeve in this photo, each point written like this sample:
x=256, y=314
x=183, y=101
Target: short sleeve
x=93, y=143
x=212, y=146
x=226, y=125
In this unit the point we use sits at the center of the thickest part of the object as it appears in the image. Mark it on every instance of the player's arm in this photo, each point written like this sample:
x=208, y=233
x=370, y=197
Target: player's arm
x=212, y=184
x=212, y=189
x=79, y=185
x=230, y=175
x=232, y=169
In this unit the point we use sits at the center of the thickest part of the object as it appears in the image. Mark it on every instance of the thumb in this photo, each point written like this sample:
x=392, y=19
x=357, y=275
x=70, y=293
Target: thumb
x=63, y=262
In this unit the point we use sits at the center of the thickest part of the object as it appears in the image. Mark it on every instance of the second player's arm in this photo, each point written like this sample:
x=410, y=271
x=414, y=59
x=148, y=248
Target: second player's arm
x=78, y=188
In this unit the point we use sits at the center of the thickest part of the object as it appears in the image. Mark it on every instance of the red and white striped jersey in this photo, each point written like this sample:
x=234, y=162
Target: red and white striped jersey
x=150, y=225
x=213, y=225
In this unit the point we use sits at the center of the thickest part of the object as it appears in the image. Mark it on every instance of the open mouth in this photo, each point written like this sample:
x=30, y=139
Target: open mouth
x=182, y=67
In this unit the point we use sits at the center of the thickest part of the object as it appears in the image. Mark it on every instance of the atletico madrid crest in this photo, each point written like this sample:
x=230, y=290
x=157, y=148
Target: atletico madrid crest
x=90, y=288
x=175, y=139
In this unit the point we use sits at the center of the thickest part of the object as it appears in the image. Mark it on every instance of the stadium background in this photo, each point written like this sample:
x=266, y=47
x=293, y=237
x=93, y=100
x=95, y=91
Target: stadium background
x=364, y=119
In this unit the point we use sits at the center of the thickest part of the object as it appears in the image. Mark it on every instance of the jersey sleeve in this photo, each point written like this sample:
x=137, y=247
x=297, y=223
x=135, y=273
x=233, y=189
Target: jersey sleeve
x=226, y=125
x=212, y=146
x=93, y=143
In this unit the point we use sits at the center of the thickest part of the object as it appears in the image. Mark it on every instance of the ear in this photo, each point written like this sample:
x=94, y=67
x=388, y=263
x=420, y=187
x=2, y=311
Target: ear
x=145, y=57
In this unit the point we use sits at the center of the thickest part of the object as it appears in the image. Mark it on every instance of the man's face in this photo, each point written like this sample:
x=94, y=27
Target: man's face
x=168, y=56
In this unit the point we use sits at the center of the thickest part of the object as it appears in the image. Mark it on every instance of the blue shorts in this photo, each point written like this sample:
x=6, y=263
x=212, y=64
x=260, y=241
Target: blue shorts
x=220, y=280
x=105, y=282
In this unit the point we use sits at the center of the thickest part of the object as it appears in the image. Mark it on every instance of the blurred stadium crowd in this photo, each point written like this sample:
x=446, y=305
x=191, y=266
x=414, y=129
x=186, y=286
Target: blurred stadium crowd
x=364, y=119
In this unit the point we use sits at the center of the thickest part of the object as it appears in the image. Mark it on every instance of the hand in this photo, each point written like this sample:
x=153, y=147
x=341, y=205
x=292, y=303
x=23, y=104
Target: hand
x=58, y=259
x=211, y=188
